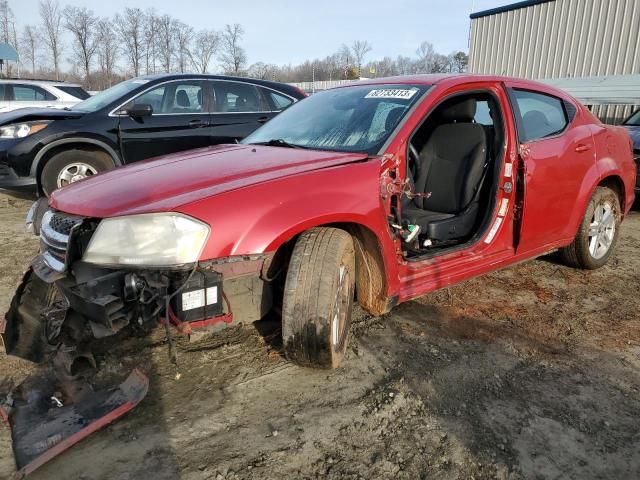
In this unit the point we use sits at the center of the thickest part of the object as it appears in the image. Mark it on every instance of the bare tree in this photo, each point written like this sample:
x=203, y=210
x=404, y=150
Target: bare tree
x=130, y=29
x=107, y=51
x=7, y=23
x=183, y=35
x=166, y=41
x=81, y=22
x=359, y=49
x=150, y=40
x=52, y=31
x=205, y=46
x=426, y=58
x=263, y=71
x=233, y=57
x=29, y=46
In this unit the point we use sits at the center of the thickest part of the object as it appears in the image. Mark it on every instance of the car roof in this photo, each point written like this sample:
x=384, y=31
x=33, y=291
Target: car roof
x=49, y=83
x=283, y=87
x=451, y=79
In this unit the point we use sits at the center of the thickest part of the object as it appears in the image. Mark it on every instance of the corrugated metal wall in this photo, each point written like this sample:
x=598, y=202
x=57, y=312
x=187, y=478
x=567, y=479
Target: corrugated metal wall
x=613, y=114
x=562, y=38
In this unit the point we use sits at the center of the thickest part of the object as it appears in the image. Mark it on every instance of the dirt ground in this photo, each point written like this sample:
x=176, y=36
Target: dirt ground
x=531, y=372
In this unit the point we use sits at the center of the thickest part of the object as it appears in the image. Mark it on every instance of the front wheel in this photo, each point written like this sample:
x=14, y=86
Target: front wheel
x=72, y=165
x=318, y=298
x=598, y=233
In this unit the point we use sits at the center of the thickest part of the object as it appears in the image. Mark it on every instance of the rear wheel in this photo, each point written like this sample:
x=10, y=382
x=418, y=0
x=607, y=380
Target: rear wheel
x=73, y=165
x=598, y=233
x=318, y=298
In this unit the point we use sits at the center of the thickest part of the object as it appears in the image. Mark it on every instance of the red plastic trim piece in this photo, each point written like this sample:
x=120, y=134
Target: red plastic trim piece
x=85, y=432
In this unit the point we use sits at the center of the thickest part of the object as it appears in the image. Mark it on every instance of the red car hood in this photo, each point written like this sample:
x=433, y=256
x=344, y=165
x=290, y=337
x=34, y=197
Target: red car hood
x=168, y=182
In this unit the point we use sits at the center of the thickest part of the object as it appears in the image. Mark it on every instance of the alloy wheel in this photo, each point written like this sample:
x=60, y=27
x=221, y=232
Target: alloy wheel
x=602, y=230
x=74, y=172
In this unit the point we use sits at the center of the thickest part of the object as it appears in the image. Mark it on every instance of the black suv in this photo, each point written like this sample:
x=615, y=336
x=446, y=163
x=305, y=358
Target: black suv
x=137, y=119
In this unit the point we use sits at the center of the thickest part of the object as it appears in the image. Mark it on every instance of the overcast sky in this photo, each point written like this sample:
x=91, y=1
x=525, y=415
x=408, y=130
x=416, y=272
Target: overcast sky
x=290, y=31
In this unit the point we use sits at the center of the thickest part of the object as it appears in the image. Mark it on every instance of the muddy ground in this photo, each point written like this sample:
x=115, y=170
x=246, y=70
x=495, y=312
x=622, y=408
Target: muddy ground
x=531, y=372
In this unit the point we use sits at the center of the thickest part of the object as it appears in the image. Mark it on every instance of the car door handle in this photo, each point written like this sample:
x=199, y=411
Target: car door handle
x=263, y=119
x=583, y=148
x=198, y=123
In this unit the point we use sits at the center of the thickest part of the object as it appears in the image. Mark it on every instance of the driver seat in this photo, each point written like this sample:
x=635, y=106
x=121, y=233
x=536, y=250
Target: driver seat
x=450, y=168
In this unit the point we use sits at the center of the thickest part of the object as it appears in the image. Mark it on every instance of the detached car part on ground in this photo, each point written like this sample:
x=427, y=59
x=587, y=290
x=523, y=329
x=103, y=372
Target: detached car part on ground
x=377, y=192
x=45, y=149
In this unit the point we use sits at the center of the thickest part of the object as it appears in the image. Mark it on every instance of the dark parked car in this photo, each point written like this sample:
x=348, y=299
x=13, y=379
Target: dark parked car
x=137, y=119
x=633, y=125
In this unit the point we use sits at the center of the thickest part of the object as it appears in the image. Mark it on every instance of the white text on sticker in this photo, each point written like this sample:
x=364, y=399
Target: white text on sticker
x=494, y=230
x=508, y=169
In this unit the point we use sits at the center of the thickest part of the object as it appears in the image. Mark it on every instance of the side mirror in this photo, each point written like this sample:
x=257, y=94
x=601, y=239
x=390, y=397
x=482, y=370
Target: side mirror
x=139, y=110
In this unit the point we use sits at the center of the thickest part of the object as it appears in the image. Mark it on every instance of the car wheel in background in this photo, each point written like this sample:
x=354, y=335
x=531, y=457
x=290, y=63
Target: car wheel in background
x=598, y=233
x=318, y=298
x=73, y=165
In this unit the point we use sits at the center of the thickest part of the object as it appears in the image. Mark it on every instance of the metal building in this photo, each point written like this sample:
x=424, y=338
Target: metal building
x=551, y=39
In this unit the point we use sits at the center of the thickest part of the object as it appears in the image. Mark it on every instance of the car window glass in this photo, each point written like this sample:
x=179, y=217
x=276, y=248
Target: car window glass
x=483, y=113
x=28, y=93
x=175, y=97
x=280, y=101
x=632, y=120
x=237, y=97
x=354, y=119
x=2, y=92
x=77, y=92
x=540, y=115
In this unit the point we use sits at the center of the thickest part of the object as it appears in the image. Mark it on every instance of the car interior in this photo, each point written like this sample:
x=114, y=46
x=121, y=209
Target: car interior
x=452, y=172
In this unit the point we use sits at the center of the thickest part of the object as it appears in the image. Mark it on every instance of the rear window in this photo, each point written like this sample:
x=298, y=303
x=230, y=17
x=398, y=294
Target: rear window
x=31, y=93
x=541, y=115
x=78, y=92
x=634, y=119
x=280, y=102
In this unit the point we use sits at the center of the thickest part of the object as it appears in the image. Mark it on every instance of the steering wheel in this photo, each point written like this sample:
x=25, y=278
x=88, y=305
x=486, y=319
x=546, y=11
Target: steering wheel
x=413, y=166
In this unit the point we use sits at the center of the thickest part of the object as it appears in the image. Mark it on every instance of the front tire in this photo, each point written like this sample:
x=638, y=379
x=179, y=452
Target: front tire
x=318, y=298
x=598, y=233
x=72, y=165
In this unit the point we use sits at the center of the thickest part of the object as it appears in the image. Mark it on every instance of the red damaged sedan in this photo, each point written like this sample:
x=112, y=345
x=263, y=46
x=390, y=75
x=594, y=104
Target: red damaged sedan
x=376, y=192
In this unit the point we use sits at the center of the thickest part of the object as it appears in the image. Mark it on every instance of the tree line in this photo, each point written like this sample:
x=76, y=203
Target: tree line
x=101, y=51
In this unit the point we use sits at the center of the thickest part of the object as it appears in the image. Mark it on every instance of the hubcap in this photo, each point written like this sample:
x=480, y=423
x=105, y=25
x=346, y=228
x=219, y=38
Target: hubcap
x=341, y=307
x=74, y=172
x=602, y=230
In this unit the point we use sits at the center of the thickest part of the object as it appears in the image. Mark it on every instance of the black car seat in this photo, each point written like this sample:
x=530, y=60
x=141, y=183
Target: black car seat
x=536, y=124
x=182, y=99
x=450, y=172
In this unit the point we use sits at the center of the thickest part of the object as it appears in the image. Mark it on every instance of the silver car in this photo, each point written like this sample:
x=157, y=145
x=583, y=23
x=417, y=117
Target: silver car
x=20, y=93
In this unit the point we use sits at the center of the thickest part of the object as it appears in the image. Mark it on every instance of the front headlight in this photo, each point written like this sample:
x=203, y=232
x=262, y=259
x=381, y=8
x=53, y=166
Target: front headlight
x=154, y=240
x=21, y=130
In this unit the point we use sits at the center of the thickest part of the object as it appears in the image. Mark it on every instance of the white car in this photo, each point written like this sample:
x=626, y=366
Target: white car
x=20, y=93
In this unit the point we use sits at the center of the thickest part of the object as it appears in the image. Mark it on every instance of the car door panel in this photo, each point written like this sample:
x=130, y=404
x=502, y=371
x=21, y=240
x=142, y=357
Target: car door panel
x=552, y=175
x=179, y=121
x=239, y=109
x=494, y=246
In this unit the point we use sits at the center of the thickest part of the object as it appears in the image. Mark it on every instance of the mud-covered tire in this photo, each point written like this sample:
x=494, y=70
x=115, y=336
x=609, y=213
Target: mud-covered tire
x=25, y=336
x=93, y=162
x=318, y=298
x=598, y=233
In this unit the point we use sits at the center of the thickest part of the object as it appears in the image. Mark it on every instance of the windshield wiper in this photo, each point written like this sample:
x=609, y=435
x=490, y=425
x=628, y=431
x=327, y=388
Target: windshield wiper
x=278, y=142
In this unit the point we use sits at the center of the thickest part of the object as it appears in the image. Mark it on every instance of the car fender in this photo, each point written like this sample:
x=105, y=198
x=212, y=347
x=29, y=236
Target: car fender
x=261, y=218
x=589, y=183
x=77, y=140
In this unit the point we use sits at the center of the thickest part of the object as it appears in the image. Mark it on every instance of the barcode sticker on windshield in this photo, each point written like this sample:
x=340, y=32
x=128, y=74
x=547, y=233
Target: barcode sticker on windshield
x=391, y=93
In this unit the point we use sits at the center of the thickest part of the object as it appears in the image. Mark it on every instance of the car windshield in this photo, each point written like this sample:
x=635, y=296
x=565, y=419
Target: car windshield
x=350, y=119
x=108, y=96
x=634, y=119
